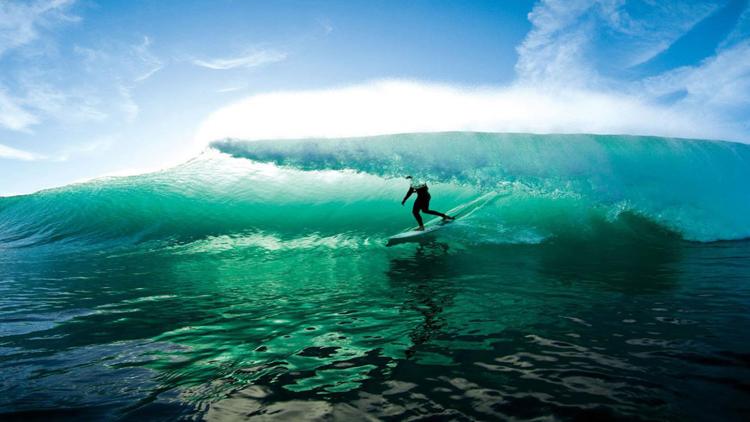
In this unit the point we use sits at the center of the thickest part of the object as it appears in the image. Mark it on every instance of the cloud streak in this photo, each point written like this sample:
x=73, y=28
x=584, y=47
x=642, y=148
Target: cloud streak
x=20, y=21
x=577, y=42
x=10, y=153
x=96, y=87
x=65, y=154
x=152, y=63
x=12, y=115
x=246, y=61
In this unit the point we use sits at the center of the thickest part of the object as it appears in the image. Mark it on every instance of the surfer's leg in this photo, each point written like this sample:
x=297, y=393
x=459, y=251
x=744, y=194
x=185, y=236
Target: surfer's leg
x=445, y=217
x=425, y=207
x=415, y=212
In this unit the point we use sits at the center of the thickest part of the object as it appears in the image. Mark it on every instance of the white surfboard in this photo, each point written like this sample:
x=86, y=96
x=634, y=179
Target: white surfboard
x=414, y=235
x=459, y=212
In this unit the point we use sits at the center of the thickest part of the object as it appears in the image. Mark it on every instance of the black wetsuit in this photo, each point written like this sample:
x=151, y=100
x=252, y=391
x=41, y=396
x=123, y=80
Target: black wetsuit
x=422, y=203
x=423, y=199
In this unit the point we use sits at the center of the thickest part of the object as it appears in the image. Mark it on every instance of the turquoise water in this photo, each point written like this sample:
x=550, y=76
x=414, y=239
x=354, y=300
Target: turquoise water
x=610, y=278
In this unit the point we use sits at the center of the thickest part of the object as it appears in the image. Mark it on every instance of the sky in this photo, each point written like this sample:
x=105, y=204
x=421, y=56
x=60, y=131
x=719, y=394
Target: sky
x=93, y=87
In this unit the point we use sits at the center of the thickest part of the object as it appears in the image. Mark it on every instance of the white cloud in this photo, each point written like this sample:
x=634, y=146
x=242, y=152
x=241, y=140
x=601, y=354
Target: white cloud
x=404, y=106
x=102, y=90
x=721, y=80
x=231, y=89
x=128, y=107
x=120, y=73
x=152, y=63
x=644, y=34
x=12, y=115
x=97, y=145
x=69, y=105
x=7, y=152
x=740, y=31
x=20, y=24
x=20, y=21
x=555, y=46
x=716, y=91
x=248, y=60
x=148, y=73
x=569, y=39
x=124, y=61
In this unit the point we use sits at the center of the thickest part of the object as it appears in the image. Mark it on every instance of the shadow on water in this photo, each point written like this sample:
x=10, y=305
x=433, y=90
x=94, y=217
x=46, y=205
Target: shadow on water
x=631, y=268
x=635, y=256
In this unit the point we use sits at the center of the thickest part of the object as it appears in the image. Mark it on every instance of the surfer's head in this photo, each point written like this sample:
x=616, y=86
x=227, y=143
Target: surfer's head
x=409, y=177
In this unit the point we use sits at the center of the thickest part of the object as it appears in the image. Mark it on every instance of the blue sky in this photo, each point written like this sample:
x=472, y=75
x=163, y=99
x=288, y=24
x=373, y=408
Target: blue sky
x=90, y=88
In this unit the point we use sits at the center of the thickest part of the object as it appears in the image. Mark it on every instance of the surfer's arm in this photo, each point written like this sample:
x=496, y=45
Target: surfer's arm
x=408, y=194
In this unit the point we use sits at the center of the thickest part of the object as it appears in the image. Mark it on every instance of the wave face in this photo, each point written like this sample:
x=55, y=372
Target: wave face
x=348, y=190
x=557, y=184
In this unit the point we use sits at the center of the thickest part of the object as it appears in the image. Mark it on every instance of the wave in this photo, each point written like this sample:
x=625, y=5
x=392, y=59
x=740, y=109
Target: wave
x=346, y=192
x=696, y=188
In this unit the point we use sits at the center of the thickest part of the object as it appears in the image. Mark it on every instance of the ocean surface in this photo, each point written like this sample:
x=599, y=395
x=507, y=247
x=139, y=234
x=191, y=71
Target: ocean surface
x=608, y=278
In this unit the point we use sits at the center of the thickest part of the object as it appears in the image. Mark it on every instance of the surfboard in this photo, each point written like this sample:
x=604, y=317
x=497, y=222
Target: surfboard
x=414, y=235
x=459, y=212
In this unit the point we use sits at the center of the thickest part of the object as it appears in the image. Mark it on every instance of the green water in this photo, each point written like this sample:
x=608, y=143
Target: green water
x=226, y=288
x=526, y=331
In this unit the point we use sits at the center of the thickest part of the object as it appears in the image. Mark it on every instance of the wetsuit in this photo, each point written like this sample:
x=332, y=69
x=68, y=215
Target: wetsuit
x=423, y=198
x=422, y=203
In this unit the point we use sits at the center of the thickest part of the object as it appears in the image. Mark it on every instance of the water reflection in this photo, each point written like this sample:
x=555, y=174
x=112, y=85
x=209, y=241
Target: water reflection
x=497, y=331
x=426, y=276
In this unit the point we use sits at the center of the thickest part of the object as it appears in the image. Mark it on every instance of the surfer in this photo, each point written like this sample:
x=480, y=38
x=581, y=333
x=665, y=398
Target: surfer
x=422, y=203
